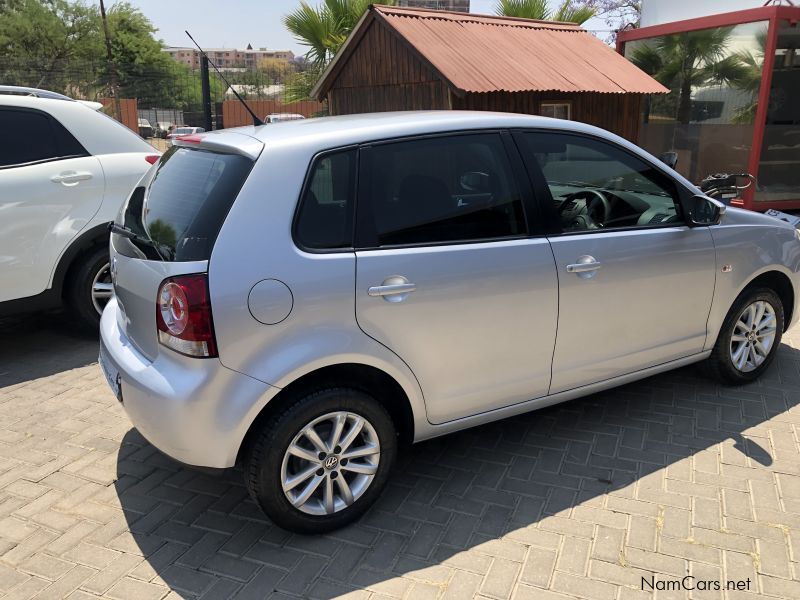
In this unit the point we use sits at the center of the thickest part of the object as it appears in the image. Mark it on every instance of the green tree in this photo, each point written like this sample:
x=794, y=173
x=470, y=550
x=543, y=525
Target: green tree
x=39, y=37
x=568, y=10
x=688, y=60
x=323, y=29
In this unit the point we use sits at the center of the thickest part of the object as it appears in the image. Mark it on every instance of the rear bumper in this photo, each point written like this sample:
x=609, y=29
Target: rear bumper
x=195, y=410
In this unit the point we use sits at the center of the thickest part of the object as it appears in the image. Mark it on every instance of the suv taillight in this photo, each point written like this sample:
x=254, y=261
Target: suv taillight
x=183, y=316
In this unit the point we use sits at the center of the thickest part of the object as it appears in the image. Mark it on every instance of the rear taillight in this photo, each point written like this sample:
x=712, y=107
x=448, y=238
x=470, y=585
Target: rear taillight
x=183, y=316
x=152, y=158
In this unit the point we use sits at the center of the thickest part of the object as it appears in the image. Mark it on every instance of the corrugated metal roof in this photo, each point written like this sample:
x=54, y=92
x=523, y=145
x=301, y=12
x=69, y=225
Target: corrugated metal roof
x=478, y=53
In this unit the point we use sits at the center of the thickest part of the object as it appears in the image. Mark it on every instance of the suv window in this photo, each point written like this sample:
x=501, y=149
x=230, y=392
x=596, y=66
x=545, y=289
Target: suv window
x=325, y=218
x=31, y=136
x=597, y=185
x=443, y=189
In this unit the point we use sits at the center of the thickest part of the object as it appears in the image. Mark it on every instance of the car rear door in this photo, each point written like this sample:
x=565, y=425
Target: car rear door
x=635, y=285
x=50, y=188
x=447, y=275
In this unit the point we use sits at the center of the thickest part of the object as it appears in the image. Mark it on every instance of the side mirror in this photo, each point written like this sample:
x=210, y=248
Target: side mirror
x=701, y=210
x=669, y=158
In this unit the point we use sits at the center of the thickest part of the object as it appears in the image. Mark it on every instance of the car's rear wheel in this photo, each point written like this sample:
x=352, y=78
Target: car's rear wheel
x=321, y=462
x=89, y=287
x=749, y=338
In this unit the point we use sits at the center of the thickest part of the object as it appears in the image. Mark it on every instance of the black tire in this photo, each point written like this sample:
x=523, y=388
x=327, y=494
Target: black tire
x=264, y=457
x=720, y=364
x=79, y=286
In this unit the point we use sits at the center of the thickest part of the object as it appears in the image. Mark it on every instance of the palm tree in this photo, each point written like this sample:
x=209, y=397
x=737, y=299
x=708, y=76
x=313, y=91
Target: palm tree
x=537, y=9
x=694, y=59
x=323, y=29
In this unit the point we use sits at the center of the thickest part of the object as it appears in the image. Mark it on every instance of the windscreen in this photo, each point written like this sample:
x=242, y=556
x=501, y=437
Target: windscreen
x=178, y=215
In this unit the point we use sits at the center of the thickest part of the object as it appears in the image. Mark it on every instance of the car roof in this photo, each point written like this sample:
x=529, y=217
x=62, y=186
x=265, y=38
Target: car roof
x=330, y=132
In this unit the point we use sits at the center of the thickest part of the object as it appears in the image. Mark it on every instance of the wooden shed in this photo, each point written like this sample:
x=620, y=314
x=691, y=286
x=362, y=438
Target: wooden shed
x=416, y=59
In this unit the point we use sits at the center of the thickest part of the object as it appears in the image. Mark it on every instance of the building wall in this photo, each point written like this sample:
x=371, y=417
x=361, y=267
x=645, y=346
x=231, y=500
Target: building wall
x=618, y=113
x=655, y=12
x=402, y=83
x=227, y=57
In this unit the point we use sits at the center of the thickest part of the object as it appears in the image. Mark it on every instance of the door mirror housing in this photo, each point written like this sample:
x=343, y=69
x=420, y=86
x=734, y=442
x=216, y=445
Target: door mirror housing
x=700, y=210
x=669, y=158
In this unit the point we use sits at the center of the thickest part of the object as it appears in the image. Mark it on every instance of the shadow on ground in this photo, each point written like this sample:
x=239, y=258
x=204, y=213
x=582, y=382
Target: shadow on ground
x=447, y=495
x=39, y=345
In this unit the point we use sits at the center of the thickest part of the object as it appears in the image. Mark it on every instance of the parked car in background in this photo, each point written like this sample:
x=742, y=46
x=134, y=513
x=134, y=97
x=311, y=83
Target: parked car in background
x=388, y=277
x=65, y=170
x=162, y=129
x=280, y=117
x=145, y=129
x=182, y=130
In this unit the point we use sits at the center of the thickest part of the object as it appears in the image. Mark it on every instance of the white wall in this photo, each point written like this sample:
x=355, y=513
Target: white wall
x=655, y=12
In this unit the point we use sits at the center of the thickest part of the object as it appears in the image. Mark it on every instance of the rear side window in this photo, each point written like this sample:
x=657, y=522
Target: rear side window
x=180, y=213
x=325, y=218
x=31, y=136
x=444, y=189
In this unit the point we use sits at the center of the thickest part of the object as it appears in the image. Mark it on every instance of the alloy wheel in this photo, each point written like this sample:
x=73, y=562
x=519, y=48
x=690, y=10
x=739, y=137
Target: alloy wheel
x=330, y=463
x=102, y=289
x=753, y=336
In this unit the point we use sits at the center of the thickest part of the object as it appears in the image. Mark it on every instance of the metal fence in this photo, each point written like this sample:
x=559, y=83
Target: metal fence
x=169, y=92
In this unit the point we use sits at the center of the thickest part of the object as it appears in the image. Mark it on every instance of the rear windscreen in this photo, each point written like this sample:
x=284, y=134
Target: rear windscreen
x=178, y=215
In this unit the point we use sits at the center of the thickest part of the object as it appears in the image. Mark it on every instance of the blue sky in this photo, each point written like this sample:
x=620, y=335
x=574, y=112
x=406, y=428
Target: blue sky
x=235, y=23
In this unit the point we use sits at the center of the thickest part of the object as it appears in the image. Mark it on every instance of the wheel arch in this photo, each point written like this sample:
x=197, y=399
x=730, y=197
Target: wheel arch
x=367, y=378
x=781, y=284
x=88, y=240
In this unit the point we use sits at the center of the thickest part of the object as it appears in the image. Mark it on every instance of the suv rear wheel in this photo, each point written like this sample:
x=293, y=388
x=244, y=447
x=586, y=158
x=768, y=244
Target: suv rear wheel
x=89, y=288
x=749, y=337
x=320, y=463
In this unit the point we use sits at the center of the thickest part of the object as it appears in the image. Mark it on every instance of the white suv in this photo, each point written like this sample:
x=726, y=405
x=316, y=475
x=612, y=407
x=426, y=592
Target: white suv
x=65, y=170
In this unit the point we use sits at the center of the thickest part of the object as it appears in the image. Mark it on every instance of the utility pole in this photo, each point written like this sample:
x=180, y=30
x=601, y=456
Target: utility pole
x=112, y=66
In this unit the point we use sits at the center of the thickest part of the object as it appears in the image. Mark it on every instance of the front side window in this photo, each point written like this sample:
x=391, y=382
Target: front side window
x=445, y=189
x=597, y=185
x=31, y=136
x=325, y=218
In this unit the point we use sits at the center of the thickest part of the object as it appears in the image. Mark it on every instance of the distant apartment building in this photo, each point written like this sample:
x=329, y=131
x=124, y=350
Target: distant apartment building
x=452, y=5
x=227, y=57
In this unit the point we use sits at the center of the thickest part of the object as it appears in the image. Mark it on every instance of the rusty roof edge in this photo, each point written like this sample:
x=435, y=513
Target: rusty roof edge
x=411, y=12
x=323, y=85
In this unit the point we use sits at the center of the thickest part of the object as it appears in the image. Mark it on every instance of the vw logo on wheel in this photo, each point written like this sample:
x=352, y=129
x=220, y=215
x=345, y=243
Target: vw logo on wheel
x=331, y=462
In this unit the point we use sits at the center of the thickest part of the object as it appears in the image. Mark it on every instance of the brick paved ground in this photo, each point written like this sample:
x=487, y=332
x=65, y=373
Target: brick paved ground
x=666, y=477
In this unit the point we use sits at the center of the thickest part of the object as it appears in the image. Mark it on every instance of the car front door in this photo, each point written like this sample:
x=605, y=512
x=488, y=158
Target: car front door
x=635, y=282
x=447, y=276
x=49, y=190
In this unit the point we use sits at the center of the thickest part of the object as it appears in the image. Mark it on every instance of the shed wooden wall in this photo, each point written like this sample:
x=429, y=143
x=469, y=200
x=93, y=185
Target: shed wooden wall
x=618, y=113
x=383, y=74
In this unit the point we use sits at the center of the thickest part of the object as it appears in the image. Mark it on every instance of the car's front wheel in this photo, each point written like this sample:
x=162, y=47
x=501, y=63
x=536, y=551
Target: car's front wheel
x=321, y=462
x=749, y=338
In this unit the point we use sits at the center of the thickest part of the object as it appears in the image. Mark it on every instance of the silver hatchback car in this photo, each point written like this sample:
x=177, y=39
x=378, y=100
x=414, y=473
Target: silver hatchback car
x=302, y=299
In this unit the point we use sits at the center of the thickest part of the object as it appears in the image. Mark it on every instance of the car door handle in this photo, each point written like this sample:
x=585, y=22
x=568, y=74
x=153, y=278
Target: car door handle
x=71, y=177
x=391, y=289
x=583, y=267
